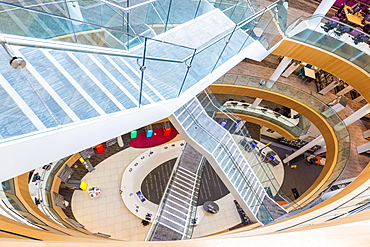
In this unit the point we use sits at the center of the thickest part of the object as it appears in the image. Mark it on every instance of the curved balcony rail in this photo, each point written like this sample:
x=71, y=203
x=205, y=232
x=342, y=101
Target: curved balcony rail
x=334, y=36
x=315, y=104
x=149, y=77
x=296, y=126
x=15, y=207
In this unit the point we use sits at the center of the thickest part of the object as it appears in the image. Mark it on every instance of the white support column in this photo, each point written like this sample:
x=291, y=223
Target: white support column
x=357, y=115
x=363, y=148
x=349, y=120
x=359, y=98
x=120, y=141
x=324, y=7
x=256, y=102
x=277, y=73
x=344, y=90
x=303, y=149
x=280, y=68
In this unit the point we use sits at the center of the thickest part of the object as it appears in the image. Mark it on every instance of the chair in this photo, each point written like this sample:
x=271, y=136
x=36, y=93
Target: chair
x=366, y=39
x=329, y=25
x=301, y=74
x=366, y=28
x=356, y=9
x=356, y=31
x=360, y=38
x=366, y=18
x=340, y=14
x=341, y=29
x=335, y=18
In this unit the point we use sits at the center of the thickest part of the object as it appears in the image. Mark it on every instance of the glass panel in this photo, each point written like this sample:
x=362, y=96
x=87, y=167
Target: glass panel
x=333, y=119
x=8, y=186
x=332, y=35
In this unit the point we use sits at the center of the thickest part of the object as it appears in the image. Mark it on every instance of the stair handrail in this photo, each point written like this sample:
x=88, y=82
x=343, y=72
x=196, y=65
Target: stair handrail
x=194, y=199
x=127, y=9
x=196, y=49
x=269, y=86
x=246, y=134
x=91, y=24
x=260, y=12
x=66, y=46
x=231, y=157
x=164, y=197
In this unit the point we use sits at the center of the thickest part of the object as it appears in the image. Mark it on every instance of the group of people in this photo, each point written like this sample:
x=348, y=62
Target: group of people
x=358, y=10
x=358, y=27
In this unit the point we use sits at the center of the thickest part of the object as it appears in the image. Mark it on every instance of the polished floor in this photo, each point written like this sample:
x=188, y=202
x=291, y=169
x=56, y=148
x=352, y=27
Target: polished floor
x=107, y=213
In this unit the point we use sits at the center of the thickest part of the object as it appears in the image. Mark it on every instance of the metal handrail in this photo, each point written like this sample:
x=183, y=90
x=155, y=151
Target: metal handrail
x=260, y=12
x=91, y=24
x=231, y=116
x=226, y=149
x=66, y=46
x=127, y=9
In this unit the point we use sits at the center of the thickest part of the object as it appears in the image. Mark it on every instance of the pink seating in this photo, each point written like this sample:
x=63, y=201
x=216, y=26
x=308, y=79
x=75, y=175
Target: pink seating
x=355, y=32
x=335, y=18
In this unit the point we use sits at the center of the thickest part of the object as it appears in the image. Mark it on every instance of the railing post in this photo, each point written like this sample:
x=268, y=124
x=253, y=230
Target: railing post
x=187, y=72
x=142, y=68
x=227, y=42
x=168, y=16
x=196, y=11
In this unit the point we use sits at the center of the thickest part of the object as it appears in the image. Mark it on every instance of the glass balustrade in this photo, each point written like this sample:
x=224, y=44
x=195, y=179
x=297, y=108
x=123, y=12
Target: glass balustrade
x=218, y=143
x=315, y=104
x=242, y=137
x=236, y=10
x=142, y=17
x=191, y=206
x=192, y=219
x=332, y=35
x=297, y=127
x=15, y=205
x=150, y=78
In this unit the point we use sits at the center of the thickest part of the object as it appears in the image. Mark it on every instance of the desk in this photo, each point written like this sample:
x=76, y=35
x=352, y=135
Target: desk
x=309, y=73
x=94, y=192
x=356, y=19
